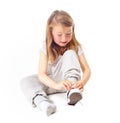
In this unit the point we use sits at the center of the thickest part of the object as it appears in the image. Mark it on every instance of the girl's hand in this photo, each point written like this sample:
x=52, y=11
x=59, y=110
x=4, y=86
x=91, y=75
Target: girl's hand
x=64, y=85
x=79, y=85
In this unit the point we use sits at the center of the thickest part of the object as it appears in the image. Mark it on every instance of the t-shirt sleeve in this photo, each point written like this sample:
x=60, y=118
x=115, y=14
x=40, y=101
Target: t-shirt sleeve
x=80, y=51
x=43, y=47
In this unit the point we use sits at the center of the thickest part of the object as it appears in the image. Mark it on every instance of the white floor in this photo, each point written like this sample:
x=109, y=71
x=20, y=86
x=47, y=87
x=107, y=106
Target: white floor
x=22, y=27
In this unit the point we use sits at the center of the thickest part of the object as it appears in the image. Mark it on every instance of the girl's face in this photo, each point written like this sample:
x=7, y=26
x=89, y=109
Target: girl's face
x=62, y=35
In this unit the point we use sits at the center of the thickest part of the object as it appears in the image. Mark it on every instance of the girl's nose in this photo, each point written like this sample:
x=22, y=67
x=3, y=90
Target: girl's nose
x=63, y=39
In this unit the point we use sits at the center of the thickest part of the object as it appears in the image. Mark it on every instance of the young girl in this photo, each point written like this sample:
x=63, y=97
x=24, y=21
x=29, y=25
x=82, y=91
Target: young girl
x=62, y=65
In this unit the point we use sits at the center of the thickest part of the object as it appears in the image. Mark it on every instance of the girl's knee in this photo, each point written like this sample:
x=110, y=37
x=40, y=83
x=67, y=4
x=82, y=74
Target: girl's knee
x=23, y=81
x=70, y=52
x=27, y=79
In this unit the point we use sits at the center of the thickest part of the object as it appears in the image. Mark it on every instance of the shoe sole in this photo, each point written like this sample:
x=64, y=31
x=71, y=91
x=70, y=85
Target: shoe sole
x=74, y=98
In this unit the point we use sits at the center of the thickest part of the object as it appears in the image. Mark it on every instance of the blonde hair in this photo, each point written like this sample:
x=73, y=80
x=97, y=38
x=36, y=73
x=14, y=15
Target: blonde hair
x=63, y=18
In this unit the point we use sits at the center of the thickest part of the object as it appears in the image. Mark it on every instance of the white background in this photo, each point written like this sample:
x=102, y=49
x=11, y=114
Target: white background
x=22, y=29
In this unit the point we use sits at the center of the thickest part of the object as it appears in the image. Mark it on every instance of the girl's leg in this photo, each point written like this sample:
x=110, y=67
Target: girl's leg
x=67, y=67
x=70, y=66
x=35, y=92
x=45, y=105
x=72, y=71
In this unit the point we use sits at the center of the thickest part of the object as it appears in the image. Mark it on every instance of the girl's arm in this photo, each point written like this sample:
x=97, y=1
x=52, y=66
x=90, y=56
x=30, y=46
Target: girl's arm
x=86, y=72
x=46, y=80
x=42, y=73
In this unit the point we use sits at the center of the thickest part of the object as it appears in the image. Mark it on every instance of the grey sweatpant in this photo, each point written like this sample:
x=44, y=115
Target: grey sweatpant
x=66, y=67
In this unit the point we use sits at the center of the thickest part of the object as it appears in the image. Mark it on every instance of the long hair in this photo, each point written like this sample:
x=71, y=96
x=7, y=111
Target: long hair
x=59, y=17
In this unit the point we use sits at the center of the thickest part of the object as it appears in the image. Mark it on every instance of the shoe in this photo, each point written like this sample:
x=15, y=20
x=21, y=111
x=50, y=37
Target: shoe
x=73, y=96
x=51, y=109
x=47, y=107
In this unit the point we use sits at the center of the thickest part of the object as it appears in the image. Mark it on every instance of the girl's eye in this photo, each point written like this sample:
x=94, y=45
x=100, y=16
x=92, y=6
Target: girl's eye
x=59, y=35
x=68, y=34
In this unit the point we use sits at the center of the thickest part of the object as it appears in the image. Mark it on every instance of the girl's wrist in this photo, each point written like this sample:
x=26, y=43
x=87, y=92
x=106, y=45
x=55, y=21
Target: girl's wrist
x=56, y=86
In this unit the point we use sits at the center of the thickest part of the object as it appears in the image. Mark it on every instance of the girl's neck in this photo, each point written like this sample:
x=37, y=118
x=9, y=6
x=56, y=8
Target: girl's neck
x=60, y=49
